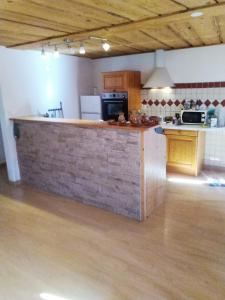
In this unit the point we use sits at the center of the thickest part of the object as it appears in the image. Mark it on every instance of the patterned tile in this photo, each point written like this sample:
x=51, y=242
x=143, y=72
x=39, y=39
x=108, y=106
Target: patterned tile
x=215, y=103
x=170, y=102
x=163, y=102
x=199, y=102
x=177, y=102
x=207, y=102
x=150, y=102
x=144, y=102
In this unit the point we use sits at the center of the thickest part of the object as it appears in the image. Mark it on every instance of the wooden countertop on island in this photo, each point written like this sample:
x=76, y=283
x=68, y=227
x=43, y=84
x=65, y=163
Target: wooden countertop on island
x=79, y=123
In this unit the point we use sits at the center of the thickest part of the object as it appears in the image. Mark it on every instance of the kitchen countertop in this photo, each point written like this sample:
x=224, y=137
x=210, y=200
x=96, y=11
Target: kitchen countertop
x=78, y=123
x=102, y=124
x=192, y=127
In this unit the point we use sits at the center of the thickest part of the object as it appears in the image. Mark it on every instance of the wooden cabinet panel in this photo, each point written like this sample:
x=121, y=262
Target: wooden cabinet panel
x=181, y=149
x=181, y=132
x=124, y=81
x=185, y=151
x=114, y=81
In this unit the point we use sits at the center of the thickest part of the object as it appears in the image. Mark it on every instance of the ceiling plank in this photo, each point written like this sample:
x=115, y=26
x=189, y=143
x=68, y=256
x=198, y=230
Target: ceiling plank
x=209, y=36
x=157, y=7
x=137, y=40
x=180, y=3
x=188, y=33
x=218, y=29
x=221, y=23
x=162, y=44
x=194, y=3
x=149, y=23
x=38, y=22
x=169, y=37
x=131, y=11
x=23, y=28
x=179, y=35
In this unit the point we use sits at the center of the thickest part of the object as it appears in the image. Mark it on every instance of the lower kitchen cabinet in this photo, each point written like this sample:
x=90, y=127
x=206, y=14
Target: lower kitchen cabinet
x=185, y=151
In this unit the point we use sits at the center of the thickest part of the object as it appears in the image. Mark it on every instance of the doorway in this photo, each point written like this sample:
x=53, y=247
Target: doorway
x=2, y=151
x=9, y=145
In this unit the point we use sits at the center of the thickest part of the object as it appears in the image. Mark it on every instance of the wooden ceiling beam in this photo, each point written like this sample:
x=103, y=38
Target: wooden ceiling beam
x=106, y=32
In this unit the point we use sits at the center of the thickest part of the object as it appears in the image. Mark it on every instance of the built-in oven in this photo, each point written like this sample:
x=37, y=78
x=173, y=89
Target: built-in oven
x=113, y=104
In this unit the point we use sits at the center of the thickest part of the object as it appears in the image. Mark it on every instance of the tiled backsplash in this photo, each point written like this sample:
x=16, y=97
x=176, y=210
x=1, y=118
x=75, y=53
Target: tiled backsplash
x=167, y=102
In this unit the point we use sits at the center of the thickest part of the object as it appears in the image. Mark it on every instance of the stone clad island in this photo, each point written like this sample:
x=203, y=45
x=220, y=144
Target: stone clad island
x=120, y=169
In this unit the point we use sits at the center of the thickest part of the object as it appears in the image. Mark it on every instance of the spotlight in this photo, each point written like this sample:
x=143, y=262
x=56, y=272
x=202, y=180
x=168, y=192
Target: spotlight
x=56, y=53
x=82, y=49
x=197, y=14
x=105, y=45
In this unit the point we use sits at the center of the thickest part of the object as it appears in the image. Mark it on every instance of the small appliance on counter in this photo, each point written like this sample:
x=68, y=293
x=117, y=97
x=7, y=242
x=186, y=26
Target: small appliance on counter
x=193, y=117
x=212, y=120
x=113, y=104
x=90, y=107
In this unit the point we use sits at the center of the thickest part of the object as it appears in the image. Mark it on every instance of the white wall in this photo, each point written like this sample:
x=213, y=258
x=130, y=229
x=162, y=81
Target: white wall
x=30, y=85
x=185, y=65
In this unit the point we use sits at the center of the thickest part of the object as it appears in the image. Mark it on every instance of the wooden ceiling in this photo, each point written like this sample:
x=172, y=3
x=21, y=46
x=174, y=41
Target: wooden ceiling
x=131, y=26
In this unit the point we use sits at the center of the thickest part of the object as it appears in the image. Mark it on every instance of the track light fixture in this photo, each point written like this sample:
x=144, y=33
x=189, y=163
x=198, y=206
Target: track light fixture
x=67, y=42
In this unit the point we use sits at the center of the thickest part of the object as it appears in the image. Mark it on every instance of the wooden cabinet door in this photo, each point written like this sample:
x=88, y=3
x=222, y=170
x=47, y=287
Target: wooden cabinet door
x=181, y=154
x=181, y=150
x=185, y=151
x=114, y=81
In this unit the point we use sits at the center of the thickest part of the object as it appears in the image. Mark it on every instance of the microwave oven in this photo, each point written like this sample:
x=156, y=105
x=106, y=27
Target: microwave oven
x=193, y=116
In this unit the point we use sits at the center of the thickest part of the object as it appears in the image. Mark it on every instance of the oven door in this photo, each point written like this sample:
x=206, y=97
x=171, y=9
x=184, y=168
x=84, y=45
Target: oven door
x=112, y=107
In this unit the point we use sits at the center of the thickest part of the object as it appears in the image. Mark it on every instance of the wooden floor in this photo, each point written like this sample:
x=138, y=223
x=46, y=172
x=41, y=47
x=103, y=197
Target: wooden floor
x=51, y=246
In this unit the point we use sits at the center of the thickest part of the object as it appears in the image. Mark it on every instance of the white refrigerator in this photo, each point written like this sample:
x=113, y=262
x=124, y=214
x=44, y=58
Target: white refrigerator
x=91, y=107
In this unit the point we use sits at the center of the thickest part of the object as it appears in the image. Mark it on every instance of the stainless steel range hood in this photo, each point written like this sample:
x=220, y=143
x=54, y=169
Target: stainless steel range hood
x=160, y=77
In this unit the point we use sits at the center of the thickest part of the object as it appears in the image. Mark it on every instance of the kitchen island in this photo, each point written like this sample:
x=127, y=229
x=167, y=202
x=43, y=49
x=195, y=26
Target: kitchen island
x=121, y=169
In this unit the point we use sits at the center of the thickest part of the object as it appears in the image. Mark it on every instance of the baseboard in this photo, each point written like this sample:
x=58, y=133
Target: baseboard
x=214, y=168
x=15, y=183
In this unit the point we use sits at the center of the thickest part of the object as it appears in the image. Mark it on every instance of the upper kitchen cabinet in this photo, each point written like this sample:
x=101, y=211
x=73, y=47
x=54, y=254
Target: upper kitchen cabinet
x=124, y=81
